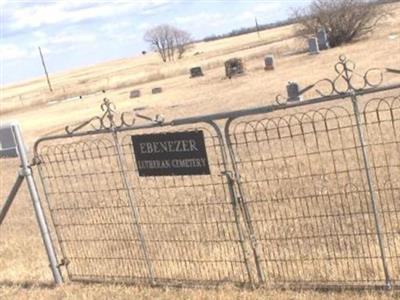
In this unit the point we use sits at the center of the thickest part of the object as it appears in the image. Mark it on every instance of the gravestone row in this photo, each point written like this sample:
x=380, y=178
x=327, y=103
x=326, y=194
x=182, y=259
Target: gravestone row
x=235, y=67
x=137, y=93
x=319, y=42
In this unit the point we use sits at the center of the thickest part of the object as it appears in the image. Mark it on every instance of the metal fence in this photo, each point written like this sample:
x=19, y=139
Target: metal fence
x=299, y=194
x=321, y=191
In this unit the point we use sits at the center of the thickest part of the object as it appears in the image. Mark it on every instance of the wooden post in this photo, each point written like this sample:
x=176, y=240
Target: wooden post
x=45, y=70
x=258, y=29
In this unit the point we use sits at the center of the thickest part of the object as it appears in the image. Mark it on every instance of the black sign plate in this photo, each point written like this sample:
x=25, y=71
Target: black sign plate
x=170, y=154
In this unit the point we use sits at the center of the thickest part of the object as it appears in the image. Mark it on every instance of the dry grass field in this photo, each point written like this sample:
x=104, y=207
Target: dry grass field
x=24, y=273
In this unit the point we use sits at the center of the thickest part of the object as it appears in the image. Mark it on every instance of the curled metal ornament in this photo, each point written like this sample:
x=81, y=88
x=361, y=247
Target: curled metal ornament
x=352, y=80
x=107, y=121
x=346, y=80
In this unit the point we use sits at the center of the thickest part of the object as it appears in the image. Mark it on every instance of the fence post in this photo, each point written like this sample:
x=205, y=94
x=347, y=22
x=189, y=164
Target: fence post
x=234, y=200
x=43, y=226
x=135, y=211
x=368, y=174
x=241, y=200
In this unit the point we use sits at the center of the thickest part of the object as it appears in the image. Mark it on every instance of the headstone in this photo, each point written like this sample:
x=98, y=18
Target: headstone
x=156, y=90
x=233, y=67
x=134, y=94
x=269, y=62
x=322, y=38
x=293, y=92
x=313, y=46
x=8, y=146
x=139, y=108
x=196, y=72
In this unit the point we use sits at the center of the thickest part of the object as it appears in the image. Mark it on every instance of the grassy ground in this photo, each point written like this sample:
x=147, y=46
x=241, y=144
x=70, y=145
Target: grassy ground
x=101, y=292
x=24, y=273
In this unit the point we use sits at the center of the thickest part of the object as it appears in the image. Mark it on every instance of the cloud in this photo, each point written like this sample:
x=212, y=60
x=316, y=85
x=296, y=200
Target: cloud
x=12, y=52
x=70, y=38
x=70, y=35
x=199, y=19
x=143, y=26
x=267, y=10
x=117, y=27
x=156, y=7
x=267, y=7
x=63, y=12
x=119, y=31
x=3, y=3
x=59, y=12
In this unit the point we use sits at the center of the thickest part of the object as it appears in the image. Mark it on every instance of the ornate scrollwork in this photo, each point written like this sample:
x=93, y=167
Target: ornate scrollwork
x=347, y=79
x=109, y=121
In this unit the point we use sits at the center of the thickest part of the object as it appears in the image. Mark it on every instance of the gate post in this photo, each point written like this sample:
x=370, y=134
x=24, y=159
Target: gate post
x=135, y=211
x=371, y=191
x=108, y=108
x=243, y=205
x=26, y=172
x=234, y=199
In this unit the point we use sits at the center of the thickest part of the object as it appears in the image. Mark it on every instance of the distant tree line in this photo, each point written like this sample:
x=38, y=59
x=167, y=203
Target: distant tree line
x=245, y=30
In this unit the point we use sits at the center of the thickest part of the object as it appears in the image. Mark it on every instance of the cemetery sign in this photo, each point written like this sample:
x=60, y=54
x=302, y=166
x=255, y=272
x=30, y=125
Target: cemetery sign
x=171, y=154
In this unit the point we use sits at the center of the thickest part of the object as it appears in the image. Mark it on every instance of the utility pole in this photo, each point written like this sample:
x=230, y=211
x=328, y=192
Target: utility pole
x=45, y=70
x=258, y=29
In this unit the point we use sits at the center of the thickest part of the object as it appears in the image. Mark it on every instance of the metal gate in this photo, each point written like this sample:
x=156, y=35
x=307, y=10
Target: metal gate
x=113, y=225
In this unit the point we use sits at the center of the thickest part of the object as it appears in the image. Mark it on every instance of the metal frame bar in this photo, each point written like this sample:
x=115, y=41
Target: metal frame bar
x=234, y=198
x=243, y=205
x=26, y=173
x=135, y=212
x=377, y=220
x=10, y=198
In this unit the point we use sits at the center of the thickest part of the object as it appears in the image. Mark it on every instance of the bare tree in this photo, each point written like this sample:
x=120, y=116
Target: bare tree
x=155, y=38
x=344, y=20
x=167, y=40
x=182, y=39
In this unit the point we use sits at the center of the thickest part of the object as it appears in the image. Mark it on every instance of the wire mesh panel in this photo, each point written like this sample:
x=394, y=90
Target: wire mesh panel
x=304, y=185
x=113, y=225
x=90, y=209
x=382, y=123
x=188, y=221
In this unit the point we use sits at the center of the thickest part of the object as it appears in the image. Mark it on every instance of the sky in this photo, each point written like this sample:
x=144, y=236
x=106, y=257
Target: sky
x=79, y=33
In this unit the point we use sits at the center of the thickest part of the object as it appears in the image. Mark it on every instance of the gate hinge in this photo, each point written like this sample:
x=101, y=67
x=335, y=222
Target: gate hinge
x=36, y=161
x=64, y=262
x=229, y=176
x=253, y=239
